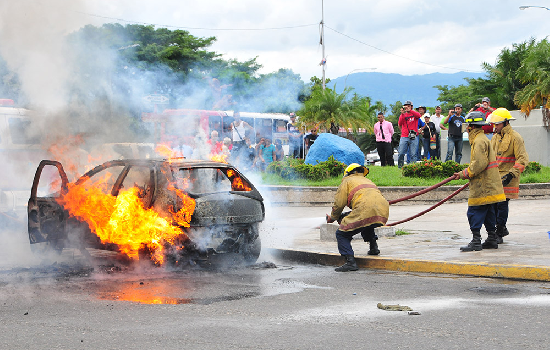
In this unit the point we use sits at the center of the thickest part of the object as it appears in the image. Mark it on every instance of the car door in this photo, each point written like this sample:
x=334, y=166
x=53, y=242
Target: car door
x=46, y=217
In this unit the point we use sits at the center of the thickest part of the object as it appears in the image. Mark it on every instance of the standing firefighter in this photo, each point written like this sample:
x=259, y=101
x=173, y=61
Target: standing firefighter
x=512, y=159
x=369, y=209
x=485, y=185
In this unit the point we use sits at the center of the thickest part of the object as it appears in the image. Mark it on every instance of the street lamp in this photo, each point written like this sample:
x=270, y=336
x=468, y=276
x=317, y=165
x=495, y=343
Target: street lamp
x=355, y=70
x=540, y=7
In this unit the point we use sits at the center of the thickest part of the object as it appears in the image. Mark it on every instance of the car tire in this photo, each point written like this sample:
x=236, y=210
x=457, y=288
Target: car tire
x=251, y=251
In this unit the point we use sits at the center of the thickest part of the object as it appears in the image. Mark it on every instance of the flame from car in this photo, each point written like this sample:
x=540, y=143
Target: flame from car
x=237, y=183
x=124, y=221
x=221, y=158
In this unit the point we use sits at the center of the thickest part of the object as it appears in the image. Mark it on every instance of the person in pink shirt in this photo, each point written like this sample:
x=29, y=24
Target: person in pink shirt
x=383, y=130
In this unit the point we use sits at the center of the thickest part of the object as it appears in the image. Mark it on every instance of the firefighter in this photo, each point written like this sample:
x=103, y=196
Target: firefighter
x=369, y=209
x=485, y=185
x=512, y=159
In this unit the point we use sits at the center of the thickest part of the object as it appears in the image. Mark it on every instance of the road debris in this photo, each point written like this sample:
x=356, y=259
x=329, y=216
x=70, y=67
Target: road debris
x=393, y=307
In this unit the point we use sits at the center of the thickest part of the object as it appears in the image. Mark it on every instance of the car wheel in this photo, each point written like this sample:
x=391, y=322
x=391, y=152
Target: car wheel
x=251, y=251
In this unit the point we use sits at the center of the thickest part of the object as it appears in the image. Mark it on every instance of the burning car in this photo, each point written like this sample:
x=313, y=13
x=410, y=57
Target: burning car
x=172, y=211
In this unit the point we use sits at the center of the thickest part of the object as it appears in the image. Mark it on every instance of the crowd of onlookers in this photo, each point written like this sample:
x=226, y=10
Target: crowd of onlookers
x=421, y=131
x=239, y=150
x=418, y=131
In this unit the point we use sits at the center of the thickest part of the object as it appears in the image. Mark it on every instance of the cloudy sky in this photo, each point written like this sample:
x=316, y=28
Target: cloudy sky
x=392, y=36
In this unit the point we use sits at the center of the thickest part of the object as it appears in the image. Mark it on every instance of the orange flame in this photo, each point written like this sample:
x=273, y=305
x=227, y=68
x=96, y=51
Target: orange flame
x=124, y=221
x=237, y=183
x=221, y=158
x=67, y=149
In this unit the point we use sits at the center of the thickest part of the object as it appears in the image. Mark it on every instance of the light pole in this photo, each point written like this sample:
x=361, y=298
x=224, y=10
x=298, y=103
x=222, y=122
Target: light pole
x=540, y=7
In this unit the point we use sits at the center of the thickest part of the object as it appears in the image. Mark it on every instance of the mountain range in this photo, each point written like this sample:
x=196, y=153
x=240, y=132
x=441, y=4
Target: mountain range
x=391, y=87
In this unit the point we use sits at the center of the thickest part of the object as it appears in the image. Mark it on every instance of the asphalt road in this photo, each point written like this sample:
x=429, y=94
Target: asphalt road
x=266, y=307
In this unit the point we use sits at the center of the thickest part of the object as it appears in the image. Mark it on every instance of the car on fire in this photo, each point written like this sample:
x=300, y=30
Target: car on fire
x=223, y=207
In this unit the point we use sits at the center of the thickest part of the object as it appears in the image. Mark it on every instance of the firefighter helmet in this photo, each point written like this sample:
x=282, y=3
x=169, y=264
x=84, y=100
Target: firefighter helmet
x=499, y=115
x=475, y=118
x=354, y=167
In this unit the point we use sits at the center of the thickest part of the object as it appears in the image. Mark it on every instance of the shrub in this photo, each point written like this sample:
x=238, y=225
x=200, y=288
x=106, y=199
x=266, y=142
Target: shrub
x=532, y=167
x=432, y=168
x=291, y=168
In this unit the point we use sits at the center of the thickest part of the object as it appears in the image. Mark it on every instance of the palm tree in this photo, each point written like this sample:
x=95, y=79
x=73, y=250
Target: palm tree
x=535, y=72
x=332, y=110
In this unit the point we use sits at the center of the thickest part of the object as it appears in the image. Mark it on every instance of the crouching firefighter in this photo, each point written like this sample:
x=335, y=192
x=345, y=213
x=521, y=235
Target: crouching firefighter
x=369, y=209
x=512, y=159
x=485, y=185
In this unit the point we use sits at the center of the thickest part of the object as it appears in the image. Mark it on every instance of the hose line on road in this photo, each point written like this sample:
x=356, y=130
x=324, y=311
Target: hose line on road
x=432, y=207
x=427, y=189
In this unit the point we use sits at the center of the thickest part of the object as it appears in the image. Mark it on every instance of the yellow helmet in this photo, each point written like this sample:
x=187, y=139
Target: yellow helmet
x=355, y=166
x=499, y=115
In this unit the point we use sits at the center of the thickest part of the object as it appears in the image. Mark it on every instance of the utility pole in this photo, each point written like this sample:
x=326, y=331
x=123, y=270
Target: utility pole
x=323, y=59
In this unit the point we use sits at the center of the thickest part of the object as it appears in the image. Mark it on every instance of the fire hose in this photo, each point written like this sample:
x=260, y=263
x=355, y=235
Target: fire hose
x=430, y=208
x=427, y=189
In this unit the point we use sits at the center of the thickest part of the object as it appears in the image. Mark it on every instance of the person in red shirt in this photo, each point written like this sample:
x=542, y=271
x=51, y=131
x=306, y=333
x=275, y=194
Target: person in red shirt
x=408, y=122
x=485, y=108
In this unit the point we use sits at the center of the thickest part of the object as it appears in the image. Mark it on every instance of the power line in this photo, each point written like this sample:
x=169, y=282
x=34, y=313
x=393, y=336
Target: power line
x=196, y=28
x=393, y=54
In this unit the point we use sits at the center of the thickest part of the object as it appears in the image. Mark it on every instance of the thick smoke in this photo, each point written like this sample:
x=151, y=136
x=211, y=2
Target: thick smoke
x=80, y=95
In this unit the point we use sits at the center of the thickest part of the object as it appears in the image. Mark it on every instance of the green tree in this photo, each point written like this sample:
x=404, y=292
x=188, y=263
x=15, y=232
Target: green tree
x=502, y=81
x=332, y=110
x=535, y=74
x=463, y=94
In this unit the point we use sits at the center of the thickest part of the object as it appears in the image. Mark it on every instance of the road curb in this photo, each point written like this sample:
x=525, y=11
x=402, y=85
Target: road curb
x=523, y=272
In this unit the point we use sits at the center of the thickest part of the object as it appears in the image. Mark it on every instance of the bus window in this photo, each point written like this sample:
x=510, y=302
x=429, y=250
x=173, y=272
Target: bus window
x=263, y=127
x=215, y=123
x=19, y=130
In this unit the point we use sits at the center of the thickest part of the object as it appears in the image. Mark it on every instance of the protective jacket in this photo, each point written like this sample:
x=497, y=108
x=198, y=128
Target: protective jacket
x=485, y=182
x=365, y=200
x=511, y=157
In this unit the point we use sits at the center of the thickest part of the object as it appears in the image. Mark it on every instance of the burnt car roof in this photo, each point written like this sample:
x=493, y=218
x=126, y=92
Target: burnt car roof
x=173, y=162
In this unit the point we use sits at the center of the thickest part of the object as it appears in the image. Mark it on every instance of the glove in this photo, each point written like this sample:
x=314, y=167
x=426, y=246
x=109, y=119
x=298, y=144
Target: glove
x=506, y=179
x=329, y=219
x=343, y=215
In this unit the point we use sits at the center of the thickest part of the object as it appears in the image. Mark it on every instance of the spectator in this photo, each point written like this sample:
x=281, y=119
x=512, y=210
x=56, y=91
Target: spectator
x=215, y=144
x=383, y=131
x=267, y=154
x=279, y=151
x=437, y=118
x=485, y=108
x=310, y=139
x=408, y=122
x=257, y=151
x=428, y=133
x=248, y=154
x=226, y=147
x=182, y=150
x=454, y=140
x=422, y=111
x=238, y=131
x=294, y=138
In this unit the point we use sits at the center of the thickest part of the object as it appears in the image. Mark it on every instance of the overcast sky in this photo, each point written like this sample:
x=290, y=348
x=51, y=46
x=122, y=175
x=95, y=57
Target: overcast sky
x=447, y=36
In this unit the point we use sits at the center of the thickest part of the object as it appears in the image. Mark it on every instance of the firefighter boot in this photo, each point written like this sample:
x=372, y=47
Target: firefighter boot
x=491, y=241
x=373, y=247
x=350, y=265
x=475, y=244
x=501, y=232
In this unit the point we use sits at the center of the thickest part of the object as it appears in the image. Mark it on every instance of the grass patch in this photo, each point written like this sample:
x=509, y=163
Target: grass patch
x=400, y=232
x=392, y=176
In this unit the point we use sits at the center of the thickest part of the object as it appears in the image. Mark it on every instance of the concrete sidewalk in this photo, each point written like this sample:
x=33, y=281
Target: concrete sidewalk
x=433, y=243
